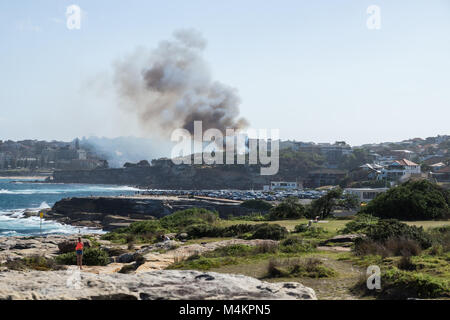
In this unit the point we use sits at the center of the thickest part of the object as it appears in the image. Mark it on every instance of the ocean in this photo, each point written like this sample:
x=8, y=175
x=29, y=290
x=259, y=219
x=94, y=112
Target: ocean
x=20, y=195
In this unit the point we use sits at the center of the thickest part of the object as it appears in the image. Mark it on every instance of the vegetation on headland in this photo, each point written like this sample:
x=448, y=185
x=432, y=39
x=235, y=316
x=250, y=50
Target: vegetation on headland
x=413, y=256
x=413, y=200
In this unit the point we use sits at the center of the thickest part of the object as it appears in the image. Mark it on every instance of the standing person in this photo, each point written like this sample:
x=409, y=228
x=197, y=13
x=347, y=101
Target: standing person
x=79, y=251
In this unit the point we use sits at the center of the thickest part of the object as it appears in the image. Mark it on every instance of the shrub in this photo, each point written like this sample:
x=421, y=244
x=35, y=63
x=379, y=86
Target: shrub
x=311, y=267
x=202, y=230
x=266, y=247
x=436, y=250
x=360, y=224
x=364, y=247
x=403, y=247
x=289, y=208
x=391, y=247
x=301, y=228
x=440, y=236
x=142, y=227
x=235, y=250
x=269, y=231
x=255, y=216
x=315, y=232
x=91, y=257
x=405, y=263
x=179, y=220
x=413, y=200
x=393, y=229
x=296, y=244
x=237, y=230
x=257, y=204
x=401, y=284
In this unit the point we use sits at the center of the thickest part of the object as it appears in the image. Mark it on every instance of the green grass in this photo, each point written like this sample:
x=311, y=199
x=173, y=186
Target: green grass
x=332, y=225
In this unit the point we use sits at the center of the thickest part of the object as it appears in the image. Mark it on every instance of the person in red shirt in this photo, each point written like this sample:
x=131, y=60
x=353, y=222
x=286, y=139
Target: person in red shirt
x=79, y=251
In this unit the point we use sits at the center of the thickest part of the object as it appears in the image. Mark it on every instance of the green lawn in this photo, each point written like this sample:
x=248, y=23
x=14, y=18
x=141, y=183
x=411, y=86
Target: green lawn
x=331, y=226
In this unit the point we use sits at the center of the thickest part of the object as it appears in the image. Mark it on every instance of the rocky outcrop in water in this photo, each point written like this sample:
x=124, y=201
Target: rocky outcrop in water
x=114, y=212
x=164, y=284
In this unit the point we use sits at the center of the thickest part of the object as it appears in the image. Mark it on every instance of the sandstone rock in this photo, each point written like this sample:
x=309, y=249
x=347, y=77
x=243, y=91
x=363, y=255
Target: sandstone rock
x=165, y=284
x=342, y=238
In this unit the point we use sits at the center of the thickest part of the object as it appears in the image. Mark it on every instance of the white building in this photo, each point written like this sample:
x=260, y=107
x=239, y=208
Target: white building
x=437, y=166
x=365, y=194
x=400, y=169
x=283, y=185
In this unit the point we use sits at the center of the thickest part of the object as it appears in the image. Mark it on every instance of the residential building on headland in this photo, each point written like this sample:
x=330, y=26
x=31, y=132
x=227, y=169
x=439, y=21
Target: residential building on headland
x=54, y=155
x=442, y=175
x=400, y=169
x=365, y=194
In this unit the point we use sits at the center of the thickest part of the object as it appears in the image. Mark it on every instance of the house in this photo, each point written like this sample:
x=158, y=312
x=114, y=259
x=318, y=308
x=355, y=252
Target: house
x=442, y=175
x=365, y=194
x=437, y=166
x=400, y=169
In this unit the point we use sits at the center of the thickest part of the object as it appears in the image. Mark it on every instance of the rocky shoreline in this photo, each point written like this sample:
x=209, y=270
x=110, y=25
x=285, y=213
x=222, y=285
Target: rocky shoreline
x=109, y=213
x=149, y=281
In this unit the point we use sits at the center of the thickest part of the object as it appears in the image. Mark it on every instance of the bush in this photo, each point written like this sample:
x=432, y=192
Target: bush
x=202, y=230
x=403, y=247
x=269, y=231
x=257, y=204
x=235, y=250
x=399, y=284
x=440, y=237
x=255, y=216
x=413, y=200
x=360, y=224
x=405, y=263
x=237, y=230
x=296, y=244
x=315, y=232
x=289, y=208
x=179, y=220
x=437, y=250
x=393, y=229
x=301, y=228
x=91, y=257
x=312, y=268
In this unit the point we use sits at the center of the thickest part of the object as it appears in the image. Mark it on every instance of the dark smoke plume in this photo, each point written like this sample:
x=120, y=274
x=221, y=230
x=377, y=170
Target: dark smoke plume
x=171, y=87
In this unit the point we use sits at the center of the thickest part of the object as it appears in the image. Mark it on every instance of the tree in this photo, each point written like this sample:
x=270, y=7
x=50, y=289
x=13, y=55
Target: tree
x=413, y=200
x=349, y=201
x=323, y=206
x=289, y=208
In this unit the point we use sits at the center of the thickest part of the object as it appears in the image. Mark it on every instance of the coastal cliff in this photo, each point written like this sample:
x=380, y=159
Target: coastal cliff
x=109, y=213
x=170, y=176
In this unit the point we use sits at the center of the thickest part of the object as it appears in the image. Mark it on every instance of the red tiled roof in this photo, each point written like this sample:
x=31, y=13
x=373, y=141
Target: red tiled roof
x=406, y=162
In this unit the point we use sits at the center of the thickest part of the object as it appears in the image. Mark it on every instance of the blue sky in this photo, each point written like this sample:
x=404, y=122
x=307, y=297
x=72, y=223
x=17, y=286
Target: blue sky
x=310, y=68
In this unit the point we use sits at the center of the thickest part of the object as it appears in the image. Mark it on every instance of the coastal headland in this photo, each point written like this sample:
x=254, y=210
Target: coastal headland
x=109, y=213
